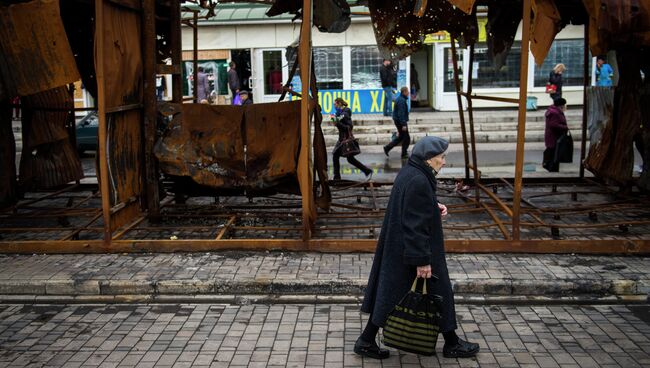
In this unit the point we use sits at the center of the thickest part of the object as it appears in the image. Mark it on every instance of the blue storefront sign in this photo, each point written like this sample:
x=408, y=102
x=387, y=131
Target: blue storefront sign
x=367, y=101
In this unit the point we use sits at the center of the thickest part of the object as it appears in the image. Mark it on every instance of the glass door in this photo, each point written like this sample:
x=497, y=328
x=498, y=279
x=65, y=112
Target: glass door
x=445, y=83
x=269, y=74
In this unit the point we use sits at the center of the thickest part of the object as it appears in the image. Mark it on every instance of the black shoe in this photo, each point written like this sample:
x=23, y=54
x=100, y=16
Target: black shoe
x=370, y=349
x=386, y=151
x=462, y=349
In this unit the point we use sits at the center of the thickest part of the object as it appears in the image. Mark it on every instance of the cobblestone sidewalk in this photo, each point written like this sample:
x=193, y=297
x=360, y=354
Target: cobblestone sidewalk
x=310, y=273
x=186, y=335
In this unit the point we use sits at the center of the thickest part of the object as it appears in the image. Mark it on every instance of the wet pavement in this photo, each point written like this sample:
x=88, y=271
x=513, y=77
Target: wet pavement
x=204, y=335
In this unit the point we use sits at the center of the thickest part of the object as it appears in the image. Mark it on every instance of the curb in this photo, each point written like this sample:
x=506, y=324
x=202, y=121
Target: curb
x=328, y=288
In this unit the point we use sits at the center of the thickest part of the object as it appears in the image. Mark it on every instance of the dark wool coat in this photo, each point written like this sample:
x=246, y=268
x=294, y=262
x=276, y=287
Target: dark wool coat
x=555, y=127
x=411, y=236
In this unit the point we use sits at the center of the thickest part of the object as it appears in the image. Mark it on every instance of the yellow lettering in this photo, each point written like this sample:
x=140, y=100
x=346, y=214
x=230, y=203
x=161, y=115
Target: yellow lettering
x=356, y=102
x=327, y=102
x=374, y=107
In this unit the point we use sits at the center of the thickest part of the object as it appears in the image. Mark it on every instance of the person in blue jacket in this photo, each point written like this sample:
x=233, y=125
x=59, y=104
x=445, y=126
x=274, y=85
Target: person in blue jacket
x=400, y=119
x=604, y=73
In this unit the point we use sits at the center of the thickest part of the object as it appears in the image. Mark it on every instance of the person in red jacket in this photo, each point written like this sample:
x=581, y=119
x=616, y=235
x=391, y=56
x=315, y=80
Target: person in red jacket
x=555, y=127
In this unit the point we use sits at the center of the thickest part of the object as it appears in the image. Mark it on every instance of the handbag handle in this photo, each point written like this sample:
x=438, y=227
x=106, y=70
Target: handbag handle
x=415, y=286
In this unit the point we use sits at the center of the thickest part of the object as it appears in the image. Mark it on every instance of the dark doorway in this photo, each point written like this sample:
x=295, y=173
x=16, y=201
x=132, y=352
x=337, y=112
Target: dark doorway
x=242, y=58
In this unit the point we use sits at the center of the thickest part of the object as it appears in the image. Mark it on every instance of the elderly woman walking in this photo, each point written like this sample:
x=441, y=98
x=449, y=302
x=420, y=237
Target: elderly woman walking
x=411, y=245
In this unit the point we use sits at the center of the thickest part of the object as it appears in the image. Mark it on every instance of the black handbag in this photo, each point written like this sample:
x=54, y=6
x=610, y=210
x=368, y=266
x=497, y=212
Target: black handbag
x=349, y=146
x=413, y=325
x=564, y=148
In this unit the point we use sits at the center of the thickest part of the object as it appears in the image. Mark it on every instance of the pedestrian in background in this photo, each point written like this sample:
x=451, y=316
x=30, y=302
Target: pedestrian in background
x=233, y=80
x=342, y=118
x=203, y=85
x=555, y=127
x=400, y=119
x=244, y=98
x=411, y=244
x=415, y=85
x=604, y=73
x=555, y=79
x=388, y=82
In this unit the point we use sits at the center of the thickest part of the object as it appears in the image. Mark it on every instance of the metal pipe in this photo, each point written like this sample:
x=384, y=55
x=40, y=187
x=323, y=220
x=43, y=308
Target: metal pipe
x=521, y=128
x=472, y=136
x=461, y=114
x=195, y=56
x=586, y=83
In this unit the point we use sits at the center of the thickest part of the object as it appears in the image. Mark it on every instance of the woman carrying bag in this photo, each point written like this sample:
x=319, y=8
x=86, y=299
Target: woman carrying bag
x=346, y=146
x=554, y=85
x=411, y=245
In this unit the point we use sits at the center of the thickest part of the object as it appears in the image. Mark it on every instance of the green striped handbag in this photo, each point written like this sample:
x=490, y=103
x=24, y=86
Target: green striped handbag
x=412, y=326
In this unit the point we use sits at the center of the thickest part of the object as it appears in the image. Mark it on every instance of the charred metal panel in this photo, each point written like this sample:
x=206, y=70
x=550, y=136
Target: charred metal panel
x=272, y=143
x=208, y=145
x=544, y=26
x=332, y=16
x=35, y=52
x=464, y=5
x=395, y=21
x=614, y=24
x=121, y=125
x=613, y=158
x=48, y=158
x=504, y=17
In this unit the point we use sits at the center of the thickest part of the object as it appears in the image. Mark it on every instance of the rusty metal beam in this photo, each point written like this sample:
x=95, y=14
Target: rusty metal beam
x=521, y=127
x=103, y=124
x=497, y=200
x=490, y=98
x=195, y=56
x=472, y=136
x=461, y=113
x=304, y=164
x=226, y=227
x=632, y=247
x=585, y=86
x=152, y=189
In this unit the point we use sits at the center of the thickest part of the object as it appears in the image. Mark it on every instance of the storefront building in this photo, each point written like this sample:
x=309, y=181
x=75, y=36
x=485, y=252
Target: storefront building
x=347, y=64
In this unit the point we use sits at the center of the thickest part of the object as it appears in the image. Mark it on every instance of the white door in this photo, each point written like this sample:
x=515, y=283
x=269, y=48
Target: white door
x=269, y=74
x=446, y=99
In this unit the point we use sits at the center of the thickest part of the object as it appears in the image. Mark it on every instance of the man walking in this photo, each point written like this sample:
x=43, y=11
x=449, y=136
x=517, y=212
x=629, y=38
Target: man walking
x=388, y=82
x=233, y=80
x=401, y=118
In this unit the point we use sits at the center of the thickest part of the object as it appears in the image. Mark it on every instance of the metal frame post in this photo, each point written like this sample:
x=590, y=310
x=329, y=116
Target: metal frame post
x=150, y=106
x=454, y=59
x=304, y=171
x=521, y=126
x=587, y=82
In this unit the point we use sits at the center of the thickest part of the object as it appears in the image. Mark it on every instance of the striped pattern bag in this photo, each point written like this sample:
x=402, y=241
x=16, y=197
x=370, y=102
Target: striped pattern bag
x=412, y=326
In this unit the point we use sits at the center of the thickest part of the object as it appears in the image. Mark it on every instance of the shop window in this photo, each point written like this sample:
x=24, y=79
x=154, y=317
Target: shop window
x=328, y=62
x=272, y=63
x=568, y=52
x=365, y=62
x=486, y=75
x=217, y=71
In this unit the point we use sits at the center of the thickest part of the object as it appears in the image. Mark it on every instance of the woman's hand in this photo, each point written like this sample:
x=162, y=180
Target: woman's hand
x=443, y=209
x=424, y=272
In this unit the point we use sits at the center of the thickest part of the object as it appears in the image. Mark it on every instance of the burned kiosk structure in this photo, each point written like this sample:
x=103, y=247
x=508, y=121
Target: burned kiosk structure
x=182, y=176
